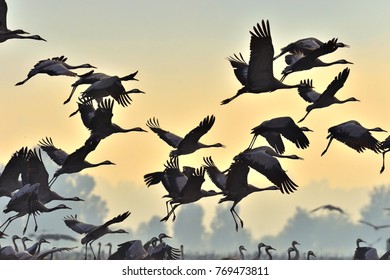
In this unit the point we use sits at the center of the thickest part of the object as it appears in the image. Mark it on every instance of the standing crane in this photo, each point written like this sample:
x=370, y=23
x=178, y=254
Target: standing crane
x=257, y=76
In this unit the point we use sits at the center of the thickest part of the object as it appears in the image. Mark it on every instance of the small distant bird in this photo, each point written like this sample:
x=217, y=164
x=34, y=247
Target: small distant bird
x=257, y=76
x=327, y=98
x=355, y=136
x=375, y=227
x=93, y=232
x=70, y=163
x=55, y=66
x=190, y=143
x=328, y=207
x=92, y=77
x=305, y=46
x=273, y=129
x=99, y=120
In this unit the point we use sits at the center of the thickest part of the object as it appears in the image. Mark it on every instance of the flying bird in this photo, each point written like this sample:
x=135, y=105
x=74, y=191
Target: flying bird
x=55, y=66
x=273, y=129
x=385, y=146
x=94, y=232
x=328, y=207
x=355, y=136
x=297, y=61
x=376, y=227
x=234, y=184
x=91, y=77
x=327, y=98
x=99, y=121
x=257, y=76
x=263, y=159
x=73, y=162
x=190, y=143
x=305, y=46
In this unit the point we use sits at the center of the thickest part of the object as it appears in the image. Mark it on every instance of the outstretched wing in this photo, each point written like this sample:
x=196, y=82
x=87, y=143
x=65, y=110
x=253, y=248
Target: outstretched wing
x=170, y=138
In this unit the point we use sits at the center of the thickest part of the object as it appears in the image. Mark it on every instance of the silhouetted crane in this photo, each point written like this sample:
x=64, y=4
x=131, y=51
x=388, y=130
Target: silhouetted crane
x=70, y=163
x=190, y=143
x=94, y=232
x=263, y=160
x=91, y=77
x=36, y=173
x=375, y=227
x=327, y=98
x=355, y=136
x=234, y=184
x=25, y=201
x=257, y=76
x=111, y=86
x=299, y=62
x=328, y=207
x=273, y=129
x=99, y=120
x=191, y=192
x=5, y=33
x=305, y=46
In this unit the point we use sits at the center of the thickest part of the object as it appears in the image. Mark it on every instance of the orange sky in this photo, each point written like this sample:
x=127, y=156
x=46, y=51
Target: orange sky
x=179, y=50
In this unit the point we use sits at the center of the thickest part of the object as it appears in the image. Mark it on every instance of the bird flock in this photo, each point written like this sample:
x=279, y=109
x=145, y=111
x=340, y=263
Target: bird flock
x=27, y=184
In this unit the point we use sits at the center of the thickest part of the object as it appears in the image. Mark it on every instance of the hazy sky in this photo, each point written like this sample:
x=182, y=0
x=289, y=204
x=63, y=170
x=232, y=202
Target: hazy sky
x=179, y=49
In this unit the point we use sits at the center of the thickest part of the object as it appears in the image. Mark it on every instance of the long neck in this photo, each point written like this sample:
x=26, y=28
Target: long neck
x=269, y=254
x=242, y=254
x=15, y=245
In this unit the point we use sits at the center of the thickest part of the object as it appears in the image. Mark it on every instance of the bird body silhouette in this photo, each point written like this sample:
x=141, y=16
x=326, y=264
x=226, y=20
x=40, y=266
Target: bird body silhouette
x=263, y=159
x=70, y=163
x=273, y=129
x=55, y=66
x=305, y=46
x=190, y=143
x=99, y=121
x=355, y=136
x=94, y=232
x=327, y=98
x=234, y=184
x=257, y=76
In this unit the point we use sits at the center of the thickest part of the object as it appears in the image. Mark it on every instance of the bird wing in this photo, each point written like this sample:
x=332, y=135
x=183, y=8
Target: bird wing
x=194, y=182
x=56, y=154
x=87, y=111
x=3, y=16
x=77, y=226
x=275, y=141
x=36, y=171
x=293, y=133
x=240, y=68
x=16, y=165
x=305, y=90
x=43, y=255
x=103, y=116
x=81, y=153
x=355, y=136
x=216, y=176
x=170, y=138
x=316, y=209
x=195, y=134
x=237, y=177
x=335, y=85
x=136, y=251
x=117, y=219
x=261, y=57
x=269, y=167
